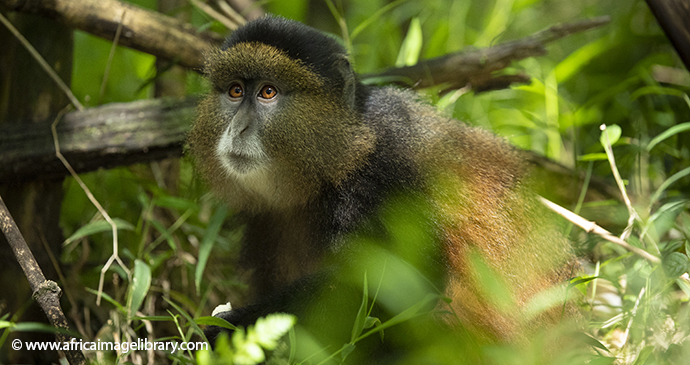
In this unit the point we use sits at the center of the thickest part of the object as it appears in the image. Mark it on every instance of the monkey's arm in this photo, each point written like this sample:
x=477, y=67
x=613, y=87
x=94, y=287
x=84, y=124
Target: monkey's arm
x=293, y=299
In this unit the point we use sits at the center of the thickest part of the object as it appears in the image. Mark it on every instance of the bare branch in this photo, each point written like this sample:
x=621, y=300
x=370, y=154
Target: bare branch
x=45, y=292
x=108, y=136
x=476, y=67
x=144, y=30
x=591, y=227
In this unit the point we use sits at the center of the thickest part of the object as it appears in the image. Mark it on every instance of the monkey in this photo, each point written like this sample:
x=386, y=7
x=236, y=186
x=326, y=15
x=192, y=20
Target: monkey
x=308, y=157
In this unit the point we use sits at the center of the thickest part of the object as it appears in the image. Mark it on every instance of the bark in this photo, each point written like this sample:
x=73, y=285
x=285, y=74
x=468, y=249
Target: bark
x=28, y=102
x=143, y=30
x=674, y=18
x=45, y=292
x=103, y=137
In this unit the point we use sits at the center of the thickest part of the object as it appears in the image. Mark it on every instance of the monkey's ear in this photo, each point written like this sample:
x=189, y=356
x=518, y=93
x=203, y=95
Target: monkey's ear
x=349, y=81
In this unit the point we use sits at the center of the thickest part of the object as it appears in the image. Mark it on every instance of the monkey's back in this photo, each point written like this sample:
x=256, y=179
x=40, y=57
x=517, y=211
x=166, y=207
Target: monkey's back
x=485, y=207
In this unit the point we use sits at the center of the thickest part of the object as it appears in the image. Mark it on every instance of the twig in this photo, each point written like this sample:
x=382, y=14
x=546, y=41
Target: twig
x=118, y=32
x=230, y=24
x=37, y=56
x=632, y=214
x=104, y=213
x=591, y=227
x=632, y=316
x=144, y=30
x=230, y=12
x=45, y=292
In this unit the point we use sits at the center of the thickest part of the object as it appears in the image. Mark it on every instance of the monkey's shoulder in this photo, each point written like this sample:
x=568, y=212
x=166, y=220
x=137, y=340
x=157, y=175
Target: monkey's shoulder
x=403, y=120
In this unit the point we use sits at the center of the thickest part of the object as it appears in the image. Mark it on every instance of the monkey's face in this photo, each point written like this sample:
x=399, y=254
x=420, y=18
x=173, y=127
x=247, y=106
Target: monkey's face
x=274, y=126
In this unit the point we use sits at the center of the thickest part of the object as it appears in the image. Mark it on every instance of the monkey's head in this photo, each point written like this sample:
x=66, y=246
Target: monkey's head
x=282, y=119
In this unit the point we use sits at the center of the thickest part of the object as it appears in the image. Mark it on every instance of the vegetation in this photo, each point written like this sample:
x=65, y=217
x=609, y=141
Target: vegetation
x=177, y=242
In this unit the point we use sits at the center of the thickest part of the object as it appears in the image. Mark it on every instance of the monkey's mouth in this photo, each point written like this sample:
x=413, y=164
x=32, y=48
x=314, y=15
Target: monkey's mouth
x=239, y=163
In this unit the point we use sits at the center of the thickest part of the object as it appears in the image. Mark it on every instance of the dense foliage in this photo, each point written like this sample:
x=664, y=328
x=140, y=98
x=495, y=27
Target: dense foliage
x=177, y=241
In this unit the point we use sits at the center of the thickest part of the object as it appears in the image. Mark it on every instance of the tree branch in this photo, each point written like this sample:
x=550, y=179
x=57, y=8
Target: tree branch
x=143, y=30
x=477, y=67
x=107, y=136
x=45, y=292
x=673, y=16
x=167, y=37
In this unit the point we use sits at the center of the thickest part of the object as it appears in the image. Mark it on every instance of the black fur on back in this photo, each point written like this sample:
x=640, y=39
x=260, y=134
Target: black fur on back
x=317, y=50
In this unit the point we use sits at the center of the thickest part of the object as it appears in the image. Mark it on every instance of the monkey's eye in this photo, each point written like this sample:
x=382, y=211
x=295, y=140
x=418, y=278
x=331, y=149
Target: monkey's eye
x=268, y=92
x=236, y=91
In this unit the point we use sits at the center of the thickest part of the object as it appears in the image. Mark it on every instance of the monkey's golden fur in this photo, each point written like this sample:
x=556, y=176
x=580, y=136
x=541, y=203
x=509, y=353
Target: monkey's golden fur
x=474, y=180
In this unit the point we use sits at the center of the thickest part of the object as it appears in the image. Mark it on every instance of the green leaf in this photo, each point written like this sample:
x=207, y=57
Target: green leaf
x=610, y=135
x=215, y=321
x=668, y=133
x=346, y=350
x=207, y=243
x=668, y=182
x=361, y=317
x=675, y=264
x=644, y=355
x=403, y=316
x=97, y=227
x=411, y=46
x=268, y=330
x=108, y=299
x=572, y=64
x=593, y=157
x=41, y=327
x=141, y=282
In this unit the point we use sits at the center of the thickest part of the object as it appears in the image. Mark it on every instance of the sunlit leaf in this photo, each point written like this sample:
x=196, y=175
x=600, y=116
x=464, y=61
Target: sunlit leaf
x=411, y=46
x=610, y=135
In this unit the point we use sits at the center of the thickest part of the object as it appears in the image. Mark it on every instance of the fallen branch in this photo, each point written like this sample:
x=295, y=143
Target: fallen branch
x=143, y=30
x=104, y=137
x=45, y=292
x=169, y=38
x=477, y=67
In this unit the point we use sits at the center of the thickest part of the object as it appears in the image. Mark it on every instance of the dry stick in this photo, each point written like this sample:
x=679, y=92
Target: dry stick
x=45, y=292
x=591, y=227
x=114, y=256
x=621, y=186
x=215, y=15
x=118, y=32
x=34, y=53
x=230, y=12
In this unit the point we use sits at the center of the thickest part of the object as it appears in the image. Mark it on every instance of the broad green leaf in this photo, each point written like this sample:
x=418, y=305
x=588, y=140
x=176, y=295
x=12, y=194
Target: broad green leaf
x=675, y=264
x=141, y=282
x=610, y=135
